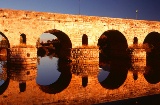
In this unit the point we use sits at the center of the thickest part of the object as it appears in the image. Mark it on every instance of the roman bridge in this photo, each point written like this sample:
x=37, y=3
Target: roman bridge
x=22, y=29
x=25, y=27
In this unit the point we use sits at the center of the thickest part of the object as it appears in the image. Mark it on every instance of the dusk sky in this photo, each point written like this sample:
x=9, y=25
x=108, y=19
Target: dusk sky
x=147, y=9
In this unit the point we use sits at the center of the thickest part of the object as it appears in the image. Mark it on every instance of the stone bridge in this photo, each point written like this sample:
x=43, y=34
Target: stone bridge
x=28, y=26
x=21, y=28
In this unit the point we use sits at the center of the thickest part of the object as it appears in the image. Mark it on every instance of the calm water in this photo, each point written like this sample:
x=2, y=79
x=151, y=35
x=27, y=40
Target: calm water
x=64, y=82
x=49, y=67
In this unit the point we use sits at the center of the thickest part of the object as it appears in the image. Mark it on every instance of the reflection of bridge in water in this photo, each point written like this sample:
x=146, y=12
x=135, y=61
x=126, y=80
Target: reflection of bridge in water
x=78, y=82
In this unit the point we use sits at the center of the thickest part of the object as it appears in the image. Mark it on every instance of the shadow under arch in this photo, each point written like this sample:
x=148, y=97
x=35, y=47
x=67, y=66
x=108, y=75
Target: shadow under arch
x=152, y=40
x=65, y=43
x=118, y=74
x=63, y=80
x=113, y=44
x=153, y=43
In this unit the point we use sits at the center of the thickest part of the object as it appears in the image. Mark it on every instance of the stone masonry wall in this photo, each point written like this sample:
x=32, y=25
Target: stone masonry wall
x=13, y=23
x=85, y=55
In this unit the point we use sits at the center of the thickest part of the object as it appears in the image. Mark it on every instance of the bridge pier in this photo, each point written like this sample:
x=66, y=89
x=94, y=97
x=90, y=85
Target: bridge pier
x=138, y=54
x=22, y=62
x=23, y=55
x=85, y=63
x=85, y=54
x=138, y=58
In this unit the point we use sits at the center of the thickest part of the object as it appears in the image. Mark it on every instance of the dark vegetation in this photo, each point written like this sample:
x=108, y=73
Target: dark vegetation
x=49, y=48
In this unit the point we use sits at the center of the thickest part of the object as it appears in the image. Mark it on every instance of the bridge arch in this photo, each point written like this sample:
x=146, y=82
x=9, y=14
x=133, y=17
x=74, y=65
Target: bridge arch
x=113, y=43
x=65, y=43
x=63, y=37
x=7, y=41
x=4, y=47
x=153, y=42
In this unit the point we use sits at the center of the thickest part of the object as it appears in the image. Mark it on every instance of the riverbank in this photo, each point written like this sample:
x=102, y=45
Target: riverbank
x=146, y=100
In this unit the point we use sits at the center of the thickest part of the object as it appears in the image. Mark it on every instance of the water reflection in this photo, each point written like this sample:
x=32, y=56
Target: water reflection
x=53, y=75
x=152, y=73
x=22, y=86
x=102, y=75
x=23, y=73
x=47, y=71
x=84, y=81
x=115, y=73
x=84, y=70
x=135, y=75
x=3, y=72
x=4, y=79
x=138, y=66
x=61, y=77
x=104, y=71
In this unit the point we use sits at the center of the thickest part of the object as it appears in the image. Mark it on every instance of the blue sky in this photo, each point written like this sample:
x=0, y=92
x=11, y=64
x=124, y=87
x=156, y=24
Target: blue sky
x=147, y=9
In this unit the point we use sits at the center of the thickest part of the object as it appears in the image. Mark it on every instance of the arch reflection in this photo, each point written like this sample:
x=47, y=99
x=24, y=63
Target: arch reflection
x=4, y=77
x=117, y=73
x=4, y=56
x=63, y=80
x=152, y=73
